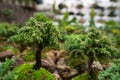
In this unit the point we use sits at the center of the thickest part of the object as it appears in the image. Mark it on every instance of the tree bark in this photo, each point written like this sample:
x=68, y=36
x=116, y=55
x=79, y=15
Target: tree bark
x=90, y=62
x=38, y=58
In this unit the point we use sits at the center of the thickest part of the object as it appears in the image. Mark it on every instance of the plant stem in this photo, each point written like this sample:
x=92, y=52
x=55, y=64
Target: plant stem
x=90, y=62
x=38, y=58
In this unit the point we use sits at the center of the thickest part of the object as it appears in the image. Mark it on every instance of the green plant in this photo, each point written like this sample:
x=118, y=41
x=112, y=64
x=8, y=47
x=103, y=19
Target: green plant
x=95, y=45
x=112, y=73
x=41, y=17
x=13, y=49
x=68, y=27
x=22, y=72
x=43, y=74
x=7, y=29
x=92, y=15
x=25, y=72
x=65, y=22
x=4, y=47
x=38, y=33
x=112, y=28
x=100, y=47
x=5, y=68
x=84, y=76
x=29, y=55
x=56, y=11
x=75, y=45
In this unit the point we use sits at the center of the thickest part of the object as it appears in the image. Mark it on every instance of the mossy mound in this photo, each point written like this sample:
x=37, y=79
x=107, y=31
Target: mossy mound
x=25, y=72
x=84, y=76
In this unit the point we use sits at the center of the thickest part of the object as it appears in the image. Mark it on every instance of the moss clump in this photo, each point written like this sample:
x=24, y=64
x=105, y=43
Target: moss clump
x=25, y=72
x=84, y=76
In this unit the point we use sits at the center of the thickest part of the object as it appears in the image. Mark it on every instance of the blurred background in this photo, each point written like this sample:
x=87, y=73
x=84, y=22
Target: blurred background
x=18, y=11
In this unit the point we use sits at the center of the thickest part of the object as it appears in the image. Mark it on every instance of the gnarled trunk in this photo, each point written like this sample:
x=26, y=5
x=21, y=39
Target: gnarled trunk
x=90, y=68
x=38, y=57
x=90, y=62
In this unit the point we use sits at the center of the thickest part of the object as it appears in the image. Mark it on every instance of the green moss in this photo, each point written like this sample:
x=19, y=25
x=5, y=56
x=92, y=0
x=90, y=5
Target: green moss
x=42, y=74
x=21, y=72
x=84, y=76
x=29, y=56
x=25, y=72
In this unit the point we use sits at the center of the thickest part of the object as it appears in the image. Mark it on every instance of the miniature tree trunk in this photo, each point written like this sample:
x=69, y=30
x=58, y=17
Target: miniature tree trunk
x=38, y=57
x=90, y=68
x=90, y=62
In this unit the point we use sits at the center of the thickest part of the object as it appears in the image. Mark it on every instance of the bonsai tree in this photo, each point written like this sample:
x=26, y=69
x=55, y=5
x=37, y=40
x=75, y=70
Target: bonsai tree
x=95, y=45
x=37, y=34
x=100, y=47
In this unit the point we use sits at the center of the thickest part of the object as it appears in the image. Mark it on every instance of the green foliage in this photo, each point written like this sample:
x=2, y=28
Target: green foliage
x=112, y=73
x=68, y=27
x=41, y=18
x=29, y=55
x=22, y=72
x=39, y=34
x=75, y=44
x=56, y=11
x=25, y=72
x=5, y=67
x=7, y=30
x=100, y=45
x=92, y=15
x=4, y=47
x=112, y=28
x=35, y=32
x=94, y=42
x=13, y=49
x=111, y=25
x=84, y=49
x=84, y=76
x=65, y=22
x=43, y=74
